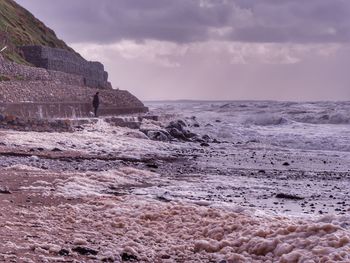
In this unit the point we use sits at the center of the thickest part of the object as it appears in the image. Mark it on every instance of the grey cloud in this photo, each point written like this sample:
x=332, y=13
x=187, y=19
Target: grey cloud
x=184, y=21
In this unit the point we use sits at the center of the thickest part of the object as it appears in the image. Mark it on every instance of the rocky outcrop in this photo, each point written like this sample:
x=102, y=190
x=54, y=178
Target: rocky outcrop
x=93, y=73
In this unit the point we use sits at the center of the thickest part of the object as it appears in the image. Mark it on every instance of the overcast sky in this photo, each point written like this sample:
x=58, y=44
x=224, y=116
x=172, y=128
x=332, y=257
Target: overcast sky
x=211, y=49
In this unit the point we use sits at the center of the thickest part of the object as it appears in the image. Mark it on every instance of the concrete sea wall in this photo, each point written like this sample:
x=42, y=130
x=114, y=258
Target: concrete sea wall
x=93, y=73
x=30, y=92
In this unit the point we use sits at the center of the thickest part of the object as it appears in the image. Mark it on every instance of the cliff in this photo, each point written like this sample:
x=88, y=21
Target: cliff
x=41, y=77
x=18, y=27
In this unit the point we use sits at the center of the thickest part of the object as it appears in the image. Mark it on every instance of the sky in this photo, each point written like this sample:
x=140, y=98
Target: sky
x=211, y=49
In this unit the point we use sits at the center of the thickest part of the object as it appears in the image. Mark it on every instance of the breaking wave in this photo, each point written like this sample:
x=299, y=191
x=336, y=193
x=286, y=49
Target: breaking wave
x=266, y=120
x=336, y=118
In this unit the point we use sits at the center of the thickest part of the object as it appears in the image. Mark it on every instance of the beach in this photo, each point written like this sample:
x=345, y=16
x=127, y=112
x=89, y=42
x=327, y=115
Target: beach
x=254, y=181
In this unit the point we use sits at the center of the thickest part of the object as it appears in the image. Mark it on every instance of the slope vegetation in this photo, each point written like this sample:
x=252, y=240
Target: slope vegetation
x=19, y=27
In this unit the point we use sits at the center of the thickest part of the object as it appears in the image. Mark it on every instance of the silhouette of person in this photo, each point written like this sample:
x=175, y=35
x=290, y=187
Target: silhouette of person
x=96, y=103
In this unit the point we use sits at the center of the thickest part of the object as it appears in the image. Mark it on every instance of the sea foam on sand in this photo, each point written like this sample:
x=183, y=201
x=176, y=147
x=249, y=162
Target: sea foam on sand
x=155, y=231
x=116, y=212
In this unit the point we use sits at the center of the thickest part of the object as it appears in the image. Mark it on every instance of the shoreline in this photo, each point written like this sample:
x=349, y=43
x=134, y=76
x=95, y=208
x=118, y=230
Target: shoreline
x=106, y=193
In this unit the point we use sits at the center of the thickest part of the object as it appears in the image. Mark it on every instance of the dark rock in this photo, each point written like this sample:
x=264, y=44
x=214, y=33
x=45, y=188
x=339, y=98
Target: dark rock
x=79, y=128
x=152, y=165
x=179, y=124
x=206, y=138
x=163, y=199
x=204, y=144
x=63, y=252
x=158, y=135
x=127, y=257
x=182, y=123
x=108, y=259
x=176, y=133
x=199, y=140
x=56, y=150
x=285, y=164
x=85, y=251
x=289, y=196
x=188, y=134
x=5, y=190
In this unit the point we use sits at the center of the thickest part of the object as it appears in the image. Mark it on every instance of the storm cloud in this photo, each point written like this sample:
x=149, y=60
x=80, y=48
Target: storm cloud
x=185, y=21
x=211, y=49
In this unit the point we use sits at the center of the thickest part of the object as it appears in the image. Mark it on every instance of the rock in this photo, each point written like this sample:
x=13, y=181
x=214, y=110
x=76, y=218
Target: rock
x=5, y=190
x=158, y=136
x=204, y=144
x=152, y=165
x=289, y=196
x=163, y=199
x=34, y=158
x=285, y=164
x=179, y=124
x=188, y=134
x=177, y=134
x=127, y=257
x=85, y=251
x=182, y=123
x=206, y=138
x=56, y=150
x=199, y=140
x=63, y=252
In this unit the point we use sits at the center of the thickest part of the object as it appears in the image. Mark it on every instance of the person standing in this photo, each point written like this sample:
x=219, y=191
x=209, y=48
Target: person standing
x=96, y=103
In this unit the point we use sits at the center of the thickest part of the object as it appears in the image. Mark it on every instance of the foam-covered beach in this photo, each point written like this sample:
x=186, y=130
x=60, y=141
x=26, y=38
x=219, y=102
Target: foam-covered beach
x=262, y=182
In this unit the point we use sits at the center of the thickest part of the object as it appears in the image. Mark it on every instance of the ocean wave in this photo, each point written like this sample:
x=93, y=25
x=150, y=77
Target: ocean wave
x=336, y=118
x=266, y=120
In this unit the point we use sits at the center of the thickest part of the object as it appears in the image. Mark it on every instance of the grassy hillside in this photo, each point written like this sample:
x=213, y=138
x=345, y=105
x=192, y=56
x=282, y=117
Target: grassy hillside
x=19, y=27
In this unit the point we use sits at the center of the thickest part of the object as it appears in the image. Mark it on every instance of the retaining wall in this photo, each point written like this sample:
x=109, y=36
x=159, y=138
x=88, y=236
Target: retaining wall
x=14, y=71
x=37, y=110
x=30, y=92
x=93, y=73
